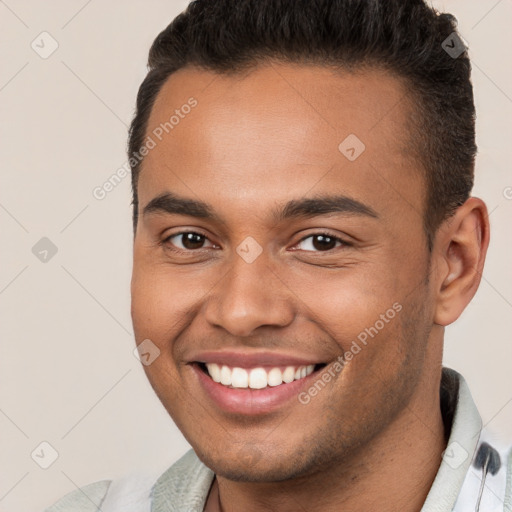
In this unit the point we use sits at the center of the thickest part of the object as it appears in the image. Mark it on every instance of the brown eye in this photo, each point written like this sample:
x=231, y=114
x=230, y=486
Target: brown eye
x=187, y=241
x=324, y=243
x=192, y=240
x=320, y=242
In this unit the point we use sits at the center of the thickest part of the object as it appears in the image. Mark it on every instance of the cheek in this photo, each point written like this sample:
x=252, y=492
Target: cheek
x=361, y=310
x=347, y=301
x=164, y=301
x=143, y=299
x=159, y=314
x=152, y=304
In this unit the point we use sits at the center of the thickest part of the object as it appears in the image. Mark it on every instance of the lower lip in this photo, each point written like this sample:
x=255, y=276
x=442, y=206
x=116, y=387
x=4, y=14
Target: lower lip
x=251, y=401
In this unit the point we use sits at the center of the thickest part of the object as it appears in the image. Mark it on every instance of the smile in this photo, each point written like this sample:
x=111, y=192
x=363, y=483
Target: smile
x=258, y=377
x=252, y=383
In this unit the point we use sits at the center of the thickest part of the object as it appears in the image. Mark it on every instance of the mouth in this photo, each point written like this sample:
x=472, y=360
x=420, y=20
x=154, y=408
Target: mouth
x=256, y=390
x=257, y=377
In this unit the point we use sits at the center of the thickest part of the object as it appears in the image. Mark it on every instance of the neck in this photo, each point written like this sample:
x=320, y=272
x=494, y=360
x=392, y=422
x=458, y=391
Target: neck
x=394, y=472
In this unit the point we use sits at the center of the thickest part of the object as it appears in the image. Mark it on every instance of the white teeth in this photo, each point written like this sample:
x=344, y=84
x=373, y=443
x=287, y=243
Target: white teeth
x=289, y=374
x=257, y=378
x=275, y=377
x=225, y=376
x=239, y=378
x=214, y=371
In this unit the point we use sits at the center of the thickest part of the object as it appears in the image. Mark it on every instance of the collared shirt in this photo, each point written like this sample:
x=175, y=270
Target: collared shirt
x=475, y=472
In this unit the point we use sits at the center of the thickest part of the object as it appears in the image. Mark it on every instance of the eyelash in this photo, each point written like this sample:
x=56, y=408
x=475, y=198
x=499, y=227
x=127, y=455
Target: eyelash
x=168, y=245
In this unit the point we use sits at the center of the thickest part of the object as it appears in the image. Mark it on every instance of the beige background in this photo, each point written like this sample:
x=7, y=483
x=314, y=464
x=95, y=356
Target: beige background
x=67, y=372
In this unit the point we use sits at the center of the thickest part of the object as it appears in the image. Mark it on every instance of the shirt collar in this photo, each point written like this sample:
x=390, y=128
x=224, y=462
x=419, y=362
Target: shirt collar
x=462, y=443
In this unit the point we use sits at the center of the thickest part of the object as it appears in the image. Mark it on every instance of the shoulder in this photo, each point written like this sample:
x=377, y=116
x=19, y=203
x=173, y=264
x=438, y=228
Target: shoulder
x=85, y=499
x=184, y=485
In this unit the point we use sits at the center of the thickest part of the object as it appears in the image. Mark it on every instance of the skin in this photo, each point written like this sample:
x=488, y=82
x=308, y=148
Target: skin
x=373, y=437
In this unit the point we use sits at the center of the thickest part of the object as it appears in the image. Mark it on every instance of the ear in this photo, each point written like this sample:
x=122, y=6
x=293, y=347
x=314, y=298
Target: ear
x=459, y=251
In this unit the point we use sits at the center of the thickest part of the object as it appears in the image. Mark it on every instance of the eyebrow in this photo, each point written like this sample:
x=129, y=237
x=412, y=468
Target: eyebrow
x=169, y=203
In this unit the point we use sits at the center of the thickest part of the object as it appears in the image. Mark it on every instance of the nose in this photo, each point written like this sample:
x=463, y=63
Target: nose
x=249, y=296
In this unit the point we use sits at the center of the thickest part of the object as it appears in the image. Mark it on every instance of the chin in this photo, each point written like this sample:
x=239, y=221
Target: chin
x=250, y=465
x=263, y=473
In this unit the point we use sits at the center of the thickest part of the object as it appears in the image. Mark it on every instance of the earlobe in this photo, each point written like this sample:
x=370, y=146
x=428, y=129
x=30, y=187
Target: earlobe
x=460, y=249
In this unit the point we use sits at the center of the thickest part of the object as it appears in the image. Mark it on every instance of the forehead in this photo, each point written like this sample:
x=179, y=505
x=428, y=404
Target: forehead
x=277, y=132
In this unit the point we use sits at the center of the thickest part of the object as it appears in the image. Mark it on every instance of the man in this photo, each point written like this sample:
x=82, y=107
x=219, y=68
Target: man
x=303, y=232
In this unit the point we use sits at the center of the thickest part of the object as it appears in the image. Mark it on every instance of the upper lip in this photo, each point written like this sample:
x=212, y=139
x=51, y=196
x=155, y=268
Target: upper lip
x=253, y=359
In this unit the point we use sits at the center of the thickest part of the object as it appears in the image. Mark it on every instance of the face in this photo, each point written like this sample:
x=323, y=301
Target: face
x=263, y=245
